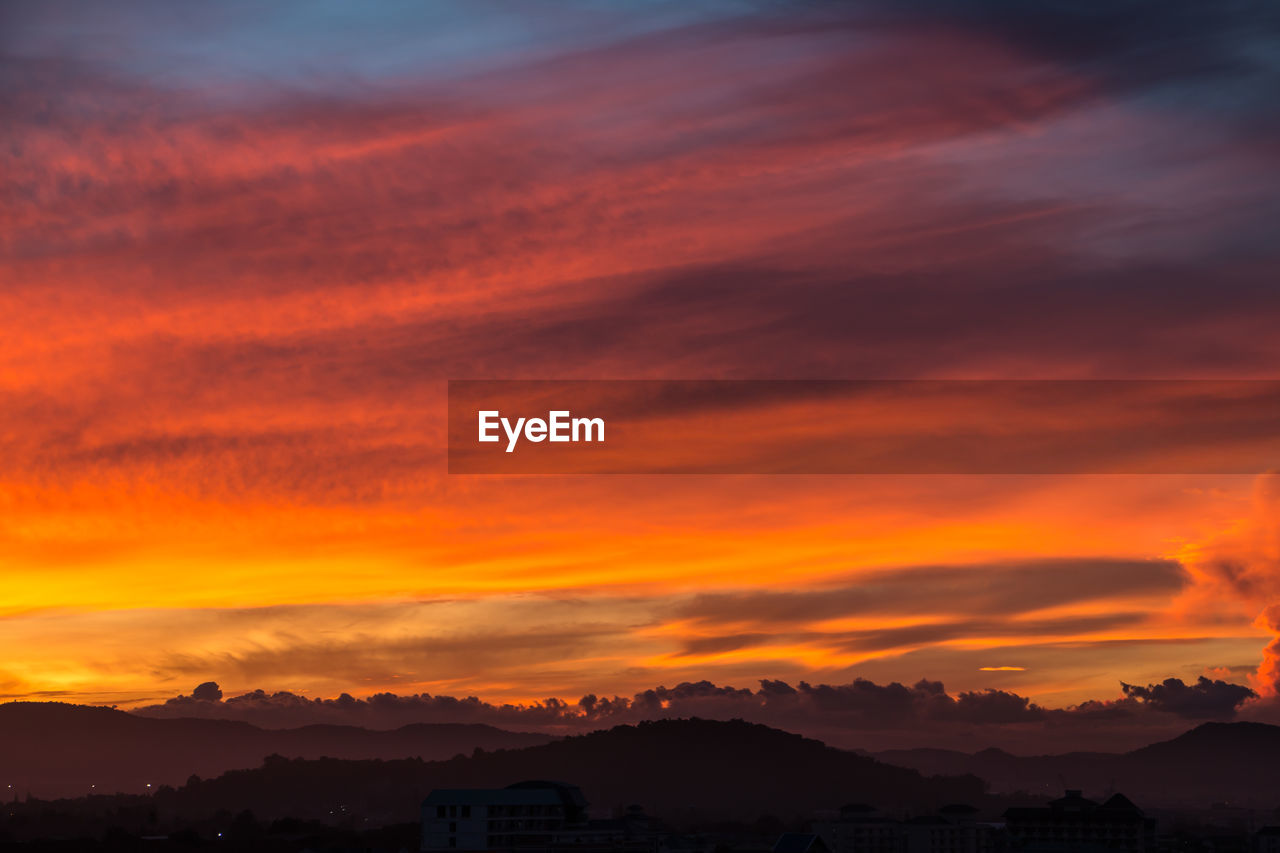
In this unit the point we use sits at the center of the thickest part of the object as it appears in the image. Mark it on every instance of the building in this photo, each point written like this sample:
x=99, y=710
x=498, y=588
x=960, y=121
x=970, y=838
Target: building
x=1073, y=824
x=1267, y=840
x=952, y=829
x=861, y=829
x=632, y=830
x=527, y=815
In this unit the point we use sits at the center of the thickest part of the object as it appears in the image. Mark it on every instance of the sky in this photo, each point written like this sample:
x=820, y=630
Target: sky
x=244, y=247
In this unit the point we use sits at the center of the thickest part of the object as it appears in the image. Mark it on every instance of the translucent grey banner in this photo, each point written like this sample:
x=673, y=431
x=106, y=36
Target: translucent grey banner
x=864, y=426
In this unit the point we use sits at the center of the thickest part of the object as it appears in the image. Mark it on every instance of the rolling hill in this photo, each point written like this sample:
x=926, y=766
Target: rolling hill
x=683, y=771
x=1214, y=762
x=55, y=749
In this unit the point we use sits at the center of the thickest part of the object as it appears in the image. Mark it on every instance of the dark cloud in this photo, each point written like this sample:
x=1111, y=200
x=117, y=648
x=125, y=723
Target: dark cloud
x=995, y=589
x=726, y=643
x=1132, y=43
x=207, y=692
x=1206, y=699
x=867, y=704
x=283, y=709
x=929, y=633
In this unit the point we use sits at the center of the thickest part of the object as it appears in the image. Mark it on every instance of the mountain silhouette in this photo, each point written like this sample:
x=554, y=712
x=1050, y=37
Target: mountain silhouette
x=1041, y=775
x=1214, y=762
x=684, y=771
x=1236, y=762
x=687, y=769
x=56, y=749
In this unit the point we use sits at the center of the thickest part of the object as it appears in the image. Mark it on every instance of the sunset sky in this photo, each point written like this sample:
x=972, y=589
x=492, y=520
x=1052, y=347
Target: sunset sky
x=244, y=246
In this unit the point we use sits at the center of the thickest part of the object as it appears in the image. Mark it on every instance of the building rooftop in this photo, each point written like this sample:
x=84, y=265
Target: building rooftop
x=1074, y=807
x=799, y=842
x=1119, y=802
x=1073, y=800
x=958, y=809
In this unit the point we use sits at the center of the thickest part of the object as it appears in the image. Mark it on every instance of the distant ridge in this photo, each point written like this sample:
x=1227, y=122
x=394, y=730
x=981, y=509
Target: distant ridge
x=1214, y=762
x=57, y=749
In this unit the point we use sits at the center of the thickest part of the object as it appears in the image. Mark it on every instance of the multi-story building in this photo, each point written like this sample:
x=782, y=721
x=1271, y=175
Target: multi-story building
x=1073, y=824
x=952, y=829
x=527, y=815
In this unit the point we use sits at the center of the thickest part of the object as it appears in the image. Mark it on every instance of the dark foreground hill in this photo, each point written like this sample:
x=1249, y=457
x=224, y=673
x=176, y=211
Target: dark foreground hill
x=1226, y=762
x=684, y=771
x=1214, y=762
x=54, y=749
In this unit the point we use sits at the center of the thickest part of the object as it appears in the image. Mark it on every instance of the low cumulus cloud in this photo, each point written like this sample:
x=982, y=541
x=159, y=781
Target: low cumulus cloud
x=1205, y=699
x=860, y=712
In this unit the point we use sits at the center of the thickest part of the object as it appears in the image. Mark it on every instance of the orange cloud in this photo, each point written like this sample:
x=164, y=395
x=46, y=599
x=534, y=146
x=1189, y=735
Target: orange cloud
x=1242, y=564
